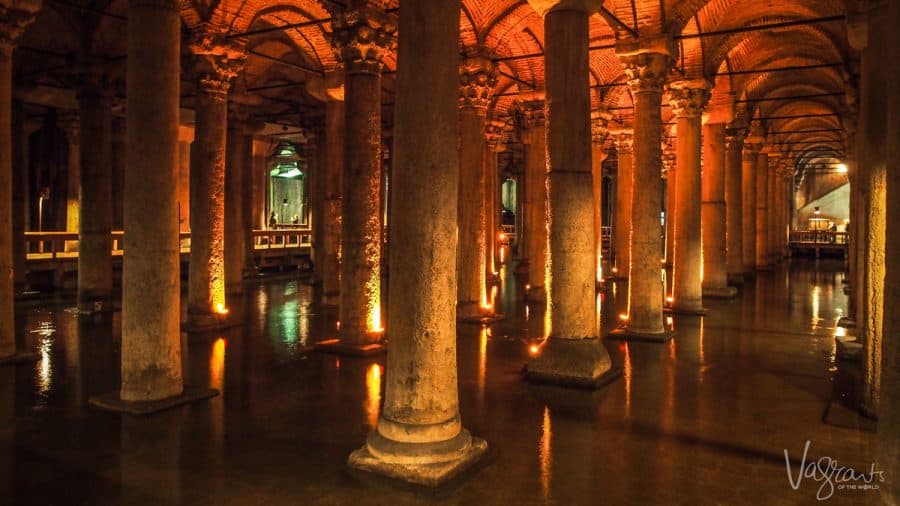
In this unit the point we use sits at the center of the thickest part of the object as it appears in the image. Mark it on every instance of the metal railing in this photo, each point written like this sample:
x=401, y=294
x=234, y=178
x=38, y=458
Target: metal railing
x=818, y=237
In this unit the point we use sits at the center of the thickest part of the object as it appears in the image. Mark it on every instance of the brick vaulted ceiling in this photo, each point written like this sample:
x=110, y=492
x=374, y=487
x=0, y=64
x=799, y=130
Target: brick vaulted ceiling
x=729, y=42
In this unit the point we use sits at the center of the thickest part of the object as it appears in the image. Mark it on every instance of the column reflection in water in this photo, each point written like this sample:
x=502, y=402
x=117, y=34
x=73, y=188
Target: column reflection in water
x=482, y=365
x=150, y=458
x=372, y=404
x=545, y=453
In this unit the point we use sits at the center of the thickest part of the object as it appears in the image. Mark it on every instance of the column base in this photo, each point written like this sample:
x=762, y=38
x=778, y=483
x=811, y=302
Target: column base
x=536, y=294
x=20, y=357
x=482, y=319
x=688, y=311
x=112, y=402
x=726, y=292
x=846, y=322
x=426, y=464
x=580, y=363
x=96, y=305
x=341, y=347
x=848, y=348
x=200, y=323
x=623, y=333
x=493, y=278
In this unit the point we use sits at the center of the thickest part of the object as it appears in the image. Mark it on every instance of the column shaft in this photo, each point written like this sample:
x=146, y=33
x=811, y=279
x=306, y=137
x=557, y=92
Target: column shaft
x=748, y=188
x=491, y=210
x=714, y=219
x=7, y=317
x=762, y=212
x=597, y=157
x=360, y=308
x=95, y=281
x=419, y=437
x=536, y=209
x=151, y=339
x=471, y=249
x=624, y=194
x=331, y=221
x=235, y=243
x=772, y=217
x=671, y=209
x=206, y=285
x=734, y=210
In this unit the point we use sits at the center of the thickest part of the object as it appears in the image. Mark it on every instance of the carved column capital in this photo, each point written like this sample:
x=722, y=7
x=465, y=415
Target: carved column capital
x=14, y=19
x=362, y=37
x=217, y=59
x=477, y=78
x=493, y=134
x=647, y=63
x=70, y=123
x=624, y=140
x=600, y=126
x=689, y=98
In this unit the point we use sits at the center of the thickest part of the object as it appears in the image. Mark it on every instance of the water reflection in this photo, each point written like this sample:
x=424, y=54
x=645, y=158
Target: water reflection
x=482, y=362
x=815, y=294
x=373, y=395
x=217, y=364
x=545, y=453
x=43, y=369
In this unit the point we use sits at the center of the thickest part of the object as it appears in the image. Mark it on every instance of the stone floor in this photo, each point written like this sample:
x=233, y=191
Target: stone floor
x=703, y=419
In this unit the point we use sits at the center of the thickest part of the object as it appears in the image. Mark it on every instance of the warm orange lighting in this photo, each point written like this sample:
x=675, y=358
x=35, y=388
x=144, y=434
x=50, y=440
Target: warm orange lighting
x=545, y=453
x=337, y=363
x=502, y=237
x=337, y=325
x=534, y=349
x=373, y=394
x=615, y=270
x=670, y=299
x=217, y=364
x=527, y=287
x=221, y=309
x=669, y=321
x=840, y=332
x=623, y=317
x=375, y=323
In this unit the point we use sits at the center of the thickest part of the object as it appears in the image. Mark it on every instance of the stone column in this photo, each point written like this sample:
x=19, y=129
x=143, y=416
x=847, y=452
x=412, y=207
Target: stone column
x=70, y=123
x=772, y=205
x=12, y=23
x=734, y=144
x=646, y=66
x=331, y=221
x=670, y=176
x=118, y=172
x=419, y=437
x=217, y=61
x=251, y=128
x=624, y=140
x=493, y=138
x=599, y=133
x=535, y=233
x=95, y=276
x=714, y=214
x=748, y=188
x=151, y=338
x=362, y=38
x=185, y=141
x=478, y=77
x=22, y=189
x=889, y=409
x=235, y=164
x=688, y=100
x=573, y=354
x=761, y=175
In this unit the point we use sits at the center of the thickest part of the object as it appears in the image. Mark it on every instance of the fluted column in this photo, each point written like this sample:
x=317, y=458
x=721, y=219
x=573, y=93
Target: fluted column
x=624, y=140
x=478, y=76
x=419, y=437
x=535, y=233
x=12, y=23
x=748, y=188
x=95, y=276
x=761, y=176
x=599, y=133
x=217, y=61
x=734, y=145
x=646, y=66
x=688, y=100
x=151, y=338
x=362, y=38
x=573, y=353
x=714, y=213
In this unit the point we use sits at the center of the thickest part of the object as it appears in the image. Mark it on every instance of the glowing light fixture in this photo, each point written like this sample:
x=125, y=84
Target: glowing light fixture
x=623, y=317
x=533, y=349
x=841, y=168
x=221, y=309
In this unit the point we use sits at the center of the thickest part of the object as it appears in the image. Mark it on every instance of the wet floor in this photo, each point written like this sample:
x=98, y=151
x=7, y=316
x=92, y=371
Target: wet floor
x=703, y=419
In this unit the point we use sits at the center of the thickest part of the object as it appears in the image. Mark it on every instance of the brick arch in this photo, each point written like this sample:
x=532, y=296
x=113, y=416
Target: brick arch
x=723, y=14
x=740, y=50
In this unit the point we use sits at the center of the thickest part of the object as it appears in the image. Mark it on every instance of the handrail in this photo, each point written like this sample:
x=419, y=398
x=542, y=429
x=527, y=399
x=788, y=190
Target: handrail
x=823, y=237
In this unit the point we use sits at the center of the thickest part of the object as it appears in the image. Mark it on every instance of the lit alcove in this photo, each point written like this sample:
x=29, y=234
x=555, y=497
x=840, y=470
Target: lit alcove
x=288, y=188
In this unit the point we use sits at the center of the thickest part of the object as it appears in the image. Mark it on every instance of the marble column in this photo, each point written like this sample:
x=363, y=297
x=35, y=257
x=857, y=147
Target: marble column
x=714, y=214
x=647, y=64
x=251, y=128
x=599, y=133
x=216, y=62
x=688, y=100
x=624, y=140
x=22, y=189
x=761, y=223
x=331, y=222
x=70, y=123
x=748, y=188
x=493, y=138
x=670, y=176
x=772, y=203
x=734, y=145
x=12, y=23
x=573, y=353
x=419, y=437
x=118, y=172
x=478, y=77
x=362, y=37
x=889, y=408
x=535, y=233
x=235, y=164
x=151, y=338
x=95, y=271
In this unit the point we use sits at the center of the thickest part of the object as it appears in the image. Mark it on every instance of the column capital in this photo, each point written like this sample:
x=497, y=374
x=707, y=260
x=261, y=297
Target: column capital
x=689, y=98
x=70, y=123
x=217, y=59
x=734, y=138
x=600, y=125
x=14, y=18
x=624, y=139
x=493, y=134
x=478, y=75
x=647, y=62
x=533, y=115
x=362, y=37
